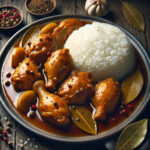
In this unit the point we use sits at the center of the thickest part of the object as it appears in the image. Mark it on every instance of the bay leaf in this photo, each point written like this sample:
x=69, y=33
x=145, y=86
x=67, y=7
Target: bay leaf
x=131, y=87
x=29, y=34
x=133, y=16
x=132, y=136
x=82, y=117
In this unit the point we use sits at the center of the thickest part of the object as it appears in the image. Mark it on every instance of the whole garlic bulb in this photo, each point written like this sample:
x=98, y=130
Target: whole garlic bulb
x=96, y=7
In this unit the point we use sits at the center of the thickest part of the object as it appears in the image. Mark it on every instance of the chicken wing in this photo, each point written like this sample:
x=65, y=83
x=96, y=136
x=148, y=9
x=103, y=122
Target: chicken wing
x=57, y=67
x=51, y=107
x=77, y=88
x=65, y=28
x=37, y=49
x=106, y=97
x=25, y=75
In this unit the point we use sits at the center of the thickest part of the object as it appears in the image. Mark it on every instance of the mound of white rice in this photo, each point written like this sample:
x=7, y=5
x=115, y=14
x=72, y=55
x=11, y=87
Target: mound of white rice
x=102, y=49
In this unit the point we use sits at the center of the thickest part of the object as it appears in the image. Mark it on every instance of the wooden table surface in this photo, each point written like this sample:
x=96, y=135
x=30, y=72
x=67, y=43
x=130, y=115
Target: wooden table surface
x=20, y=135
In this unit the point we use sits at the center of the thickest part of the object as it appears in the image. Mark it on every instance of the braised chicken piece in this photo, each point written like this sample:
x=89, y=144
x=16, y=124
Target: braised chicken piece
x=65, y=28
x=106, y=97
x=25, y=75
x=38, y=48
x=77, y=88
x=51, y=107
x=57, y=67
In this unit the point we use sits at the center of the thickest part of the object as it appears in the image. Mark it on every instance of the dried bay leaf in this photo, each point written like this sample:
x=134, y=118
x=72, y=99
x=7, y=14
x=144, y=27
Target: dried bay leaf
x=131, y=87
x=133, y=16
x=132, y=136
x=82, y=117
x=29, y=34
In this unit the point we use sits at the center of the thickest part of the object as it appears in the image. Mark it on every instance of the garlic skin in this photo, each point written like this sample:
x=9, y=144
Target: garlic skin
x=96, y=7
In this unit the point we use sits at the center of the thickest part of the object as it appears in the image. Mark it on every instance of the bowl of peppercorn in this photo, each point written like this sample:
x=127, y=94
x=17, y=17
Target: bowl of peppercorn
x=10, y=17
x=40, y=8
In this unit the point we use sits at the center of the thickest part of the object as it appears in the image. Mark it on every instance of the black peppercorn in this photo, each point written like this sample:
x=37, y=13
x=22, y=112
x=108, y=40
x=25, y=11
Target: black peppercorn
x=32, y=72
x=55, y=104
x=27, y=63
x=7, y=83
x=27, y=71
x=77, y=119
x=70, y=86
x=8, y=75
x=29, y=43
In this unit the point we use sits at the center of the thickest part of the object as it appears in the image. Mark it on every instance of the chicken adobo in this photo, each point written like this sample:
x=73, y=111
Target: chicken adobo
x=38, y=48
x=77, y=88
x=51, y=107
x=65, y=28
x=25, y=75
x=57, y=67
x=46, y=82
x=106, y=97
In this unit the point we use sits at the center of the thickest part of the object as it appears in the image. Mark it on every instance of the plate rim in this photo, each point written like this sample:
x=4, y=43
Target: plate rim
x=15, y=115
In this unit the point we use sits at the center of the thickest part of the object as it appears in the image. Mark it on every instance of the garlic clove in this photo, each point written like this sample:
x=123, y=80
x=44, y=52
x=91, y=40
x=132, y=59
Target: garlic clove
x=88, y=4
x=96, y=7
x=98, y=10
x=91, y=10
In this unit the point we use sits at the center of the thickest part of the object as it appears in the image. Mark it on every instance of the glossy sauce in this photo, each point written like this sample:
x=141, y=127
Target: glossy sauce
x=112, y=120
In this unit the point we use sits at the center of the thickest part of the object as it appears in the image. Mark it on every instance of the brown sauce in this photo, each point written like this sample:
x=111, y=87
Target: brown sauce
x=72, y=130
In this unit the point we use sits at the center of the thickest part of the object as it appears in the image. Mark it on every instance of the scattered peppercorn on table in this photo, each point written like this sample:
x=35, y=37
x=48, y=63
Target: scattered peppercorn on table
x=12, y=135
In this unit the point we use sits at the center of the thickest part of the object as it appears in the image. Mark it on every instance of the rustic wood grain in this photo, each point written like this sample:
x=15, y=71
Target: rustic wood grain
x=20, y=135
x=80, y=7
x=66, y=7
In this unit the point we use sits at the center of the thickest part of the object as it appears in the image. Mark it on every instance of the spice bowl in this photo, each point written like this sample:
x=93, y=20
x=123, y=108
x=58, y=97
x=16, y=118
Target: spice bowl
x=10, y=17
x=40, y=8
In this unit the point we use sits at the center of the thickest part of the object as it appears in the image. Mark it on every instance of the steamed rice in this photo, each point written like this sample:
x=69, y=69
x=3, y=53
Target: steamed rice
x=102, y=49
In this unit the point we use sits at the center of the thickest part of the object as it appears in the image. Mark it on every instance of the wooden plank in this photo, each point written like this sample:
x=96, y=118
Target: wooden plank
x=3, y=113
x=79, y=7
x=146, y=12
x=66, y=7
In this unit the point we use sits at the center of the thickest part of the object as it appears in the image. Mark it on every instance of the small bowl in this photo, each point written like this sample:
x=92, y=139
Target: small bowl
x=21, y=17
x=37, y=14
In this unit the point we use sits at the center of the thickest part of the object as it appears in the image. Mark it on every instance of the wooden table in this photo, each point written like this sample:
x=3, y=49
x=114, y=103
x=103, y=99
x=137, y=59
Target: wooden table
x=20, y=135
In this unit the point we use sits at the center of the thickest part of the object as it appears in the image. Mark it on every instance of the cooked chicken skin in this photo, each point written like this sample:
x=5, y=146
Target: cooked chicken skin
x=57, y=67
x=51, y=107
x=65, y=28
x=25, y=75
x=106, y=97
x=77, y=88
x=37, y=49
